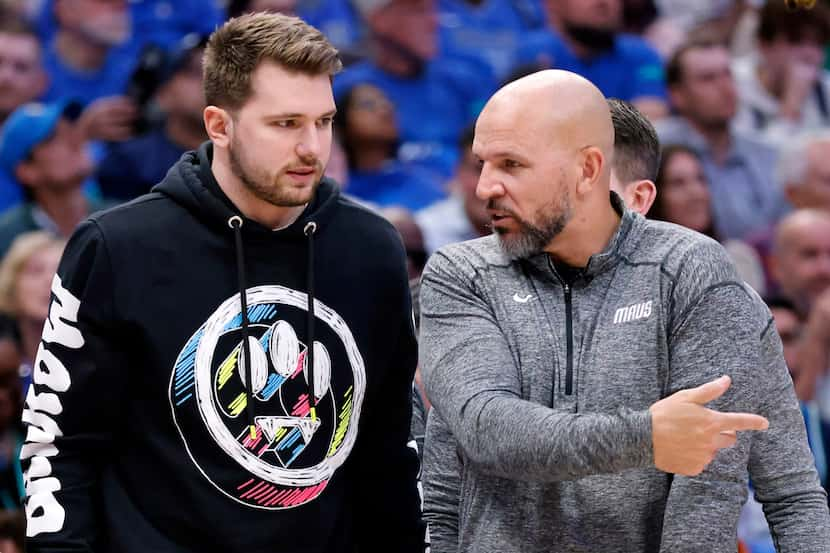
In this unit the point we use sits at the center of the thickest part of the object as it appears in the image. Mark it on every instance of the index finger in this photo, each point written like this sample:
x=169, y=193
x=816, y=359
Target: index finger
x=740, y=421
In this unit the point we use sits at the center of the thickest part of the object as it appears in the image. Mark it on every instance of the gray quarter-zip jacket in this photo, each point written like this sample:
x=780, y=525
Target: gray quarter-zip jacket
x=546, y=388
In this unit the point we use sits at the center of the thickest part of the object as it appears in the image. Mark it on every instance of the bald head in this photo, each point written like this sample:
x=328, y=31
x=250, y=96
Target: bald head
x=563, y=107
x=801, y=256
x=546, y=143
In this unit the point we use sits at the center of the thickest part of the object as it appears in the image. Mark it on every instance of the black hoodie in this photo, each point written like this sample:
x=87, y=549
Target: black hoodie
x=139, y=416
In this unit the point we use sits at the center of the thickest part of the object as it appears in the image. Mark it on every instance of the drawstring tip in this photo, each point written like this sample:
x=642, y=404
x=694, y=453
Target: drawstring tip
x=313, y=412
x=253, y=431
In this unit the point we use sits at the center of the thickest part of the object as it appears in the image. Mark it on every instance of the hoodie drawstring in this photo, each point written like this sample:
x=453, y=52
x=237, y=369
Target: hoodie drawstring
x=235, y=223
x=309, y=230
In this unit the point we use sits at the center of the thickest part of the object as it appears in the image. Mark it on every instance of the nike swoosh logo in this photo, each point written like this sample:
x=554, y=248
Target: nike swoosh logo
x=519, y=299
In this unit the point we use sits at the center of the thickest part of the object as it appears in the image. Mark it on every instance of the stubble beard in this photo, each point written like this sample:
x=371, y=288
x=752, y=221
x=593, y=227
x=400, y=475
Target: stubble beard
x=274, y=192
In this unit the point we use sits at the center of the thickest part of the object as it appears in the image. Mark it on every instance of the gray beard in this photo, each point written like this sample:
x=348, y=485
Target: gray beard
x=532, y=239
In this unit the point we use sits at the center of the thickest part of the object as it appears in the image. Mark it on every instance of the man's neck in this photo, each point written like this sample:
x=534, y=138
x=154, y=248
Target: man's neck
x=585, y=236
x=267, y=214
x=717, y=137
x=78, y=53
x=185, y=133
x=65, y=208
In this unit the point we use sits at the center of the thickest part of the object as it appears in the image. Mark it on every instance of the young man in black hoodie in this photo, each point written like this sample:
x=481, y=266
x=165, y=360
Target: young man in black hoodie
x=228, y=361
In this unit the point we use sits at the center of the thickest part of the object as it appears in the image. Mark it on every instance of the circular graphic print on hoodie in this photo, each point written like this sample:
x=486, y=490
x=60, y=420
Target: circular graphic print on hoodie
x=293, y=451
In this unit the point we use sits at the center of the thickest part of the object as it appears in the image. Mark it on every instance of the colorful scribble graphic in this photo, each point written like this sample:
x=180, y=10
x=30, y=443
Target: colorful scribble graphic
x=291, y=455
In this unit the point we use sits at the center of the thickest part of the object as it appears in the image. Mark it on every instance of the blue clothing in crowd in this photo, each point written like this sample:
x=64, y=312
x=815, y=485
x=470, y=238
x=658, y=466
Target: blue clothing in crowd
x=132, y=168
x=85, y=87
x=336, y=19
x=431, y=110
x=489, y=31
x=630, y=70
x=396, y=184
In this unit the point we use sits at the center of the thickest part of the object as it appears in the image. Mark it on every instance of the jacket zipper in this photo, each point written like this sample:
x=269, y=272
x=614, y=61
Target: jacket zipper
x=569, y=370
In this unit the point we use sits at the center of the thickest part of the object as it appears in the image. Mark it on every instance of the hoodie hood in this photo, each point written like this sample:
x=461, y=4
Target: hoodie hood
x=191, y=184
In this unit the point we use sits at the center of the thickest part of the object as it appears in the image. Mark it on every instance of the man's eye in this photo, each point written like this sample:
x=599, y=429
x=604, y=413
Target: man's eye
x=286, y=123
x=511, y=163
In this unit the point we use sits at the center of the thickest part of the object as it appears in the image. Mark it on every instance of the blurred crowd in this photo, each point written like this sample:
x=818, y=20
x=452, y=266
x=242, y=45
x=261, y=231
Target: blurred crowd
x=98, y=98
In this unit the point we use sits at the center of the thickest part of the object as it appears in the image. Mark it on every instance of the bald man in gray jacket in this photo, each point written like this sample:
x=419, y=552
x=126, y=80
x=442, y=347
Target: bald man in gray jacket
x=549, y=373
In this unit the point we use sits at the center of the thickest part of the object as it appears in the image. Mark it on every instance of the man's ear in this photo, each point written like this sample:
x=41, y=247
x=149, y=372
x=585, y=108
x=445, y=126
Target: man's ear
x=641, y=196
x=593, y=164
x=219, y=126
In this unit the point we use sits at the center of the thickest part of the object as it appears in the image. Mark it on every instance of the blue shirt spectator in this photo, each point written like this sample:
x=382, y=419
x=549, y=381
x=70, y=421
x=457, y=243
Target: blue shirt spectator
x=631, y=69
x=395, y=184
x=431, y=109
x=489, y=30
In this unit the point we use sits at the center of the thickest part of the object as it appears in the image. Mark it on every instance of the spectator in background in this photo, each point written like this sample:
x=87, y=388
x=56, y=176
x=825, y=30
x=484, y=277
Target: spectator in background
x=131, y=168
x=489, y=30
x=784, y=87
x=740, y=170
x=585, y=38
x=683, y=198
x=22, y=79
x=368, y=132
x=336, y=19
x=803, y=172
x=683, y=192
x=435, y=98
x=83, y=60
x=11, y=405
x=462, y=215
x=41, y=146
x=12, y=531
x=800, y=264
x=26, y=274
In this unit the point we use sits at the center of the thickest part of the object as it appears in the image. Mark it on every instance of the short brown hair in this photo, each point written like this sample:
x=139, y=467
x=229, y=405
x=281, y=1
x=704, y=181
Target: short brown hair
x=674, y=67
x=236, y=49
x=777, y=19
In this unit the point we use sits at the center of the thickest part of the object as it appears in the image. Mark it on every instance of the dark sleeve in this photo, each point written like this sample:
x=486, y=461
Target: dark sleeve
x=73, y=403
x=387, y=501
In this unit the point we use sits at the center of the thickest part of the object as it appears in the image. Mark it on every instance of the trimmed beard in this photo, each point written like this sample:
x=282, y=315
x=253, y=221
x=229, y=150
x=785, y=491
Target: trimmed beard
x=271, y=192
x=533, y=237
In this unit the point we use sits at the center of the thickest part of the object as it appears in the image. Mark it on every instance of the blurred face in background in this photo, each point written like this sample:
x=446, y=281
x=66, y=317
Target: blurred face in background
x=596, y=14
x=22, y=78
x=801, y=260
x=814, y=191
x=706, y=93
x=780, y=54
x=183, y=95
x=683, y=192
x=370, y=116
x=102, y=22
x=34, y=283
x=60, y=162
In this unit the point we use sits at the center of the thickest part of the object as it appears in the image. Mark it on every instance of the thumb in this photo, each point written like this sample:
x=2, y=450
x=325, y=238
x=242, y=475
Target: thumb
x=708, y=392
